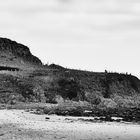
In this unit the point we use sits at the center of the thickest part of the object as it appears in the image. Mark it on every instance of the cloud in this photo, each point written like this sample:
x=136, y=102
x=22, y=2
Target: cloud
x=85, y=6
x=58, y=29
x=70, y=19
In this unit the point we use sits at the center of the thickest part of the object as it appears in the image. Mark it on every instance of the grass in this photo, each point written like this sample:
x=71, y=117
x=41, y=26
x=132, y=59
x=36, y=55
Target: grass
x=81, y=108
x=68, y=107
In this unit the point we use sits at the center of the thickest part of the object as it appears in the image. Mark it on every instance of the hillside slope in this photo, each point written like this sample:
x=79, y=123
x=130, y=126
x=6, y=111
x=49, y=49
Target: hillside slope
x=23, y=78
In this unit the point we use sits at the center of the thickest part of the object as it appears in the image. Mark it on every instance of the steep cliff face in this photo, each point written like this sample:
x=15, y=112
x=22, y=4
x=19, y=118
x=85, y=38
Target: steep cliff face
x=15, y=54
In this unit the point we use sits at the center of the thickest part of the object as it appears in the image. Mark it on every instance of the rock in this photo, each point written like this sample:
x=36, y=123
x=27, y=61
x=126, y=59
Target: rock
x=1, y=134
x=47, y=118
x=12, y=50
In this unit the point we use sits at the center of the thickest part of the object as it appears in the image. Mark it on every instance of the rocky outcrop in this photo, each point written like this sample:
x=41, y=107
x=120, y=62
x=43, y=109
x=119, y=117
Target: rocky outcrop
x=9, y=47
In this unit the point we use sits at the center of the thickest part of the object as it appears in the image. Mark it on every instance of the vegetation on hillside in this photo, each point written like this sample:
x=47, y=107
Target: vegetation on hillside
x=23, y=79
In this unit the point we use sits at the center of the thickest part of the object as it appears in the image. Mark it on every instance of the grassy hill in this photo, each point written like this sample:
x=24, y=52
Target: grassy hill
x=24, y=79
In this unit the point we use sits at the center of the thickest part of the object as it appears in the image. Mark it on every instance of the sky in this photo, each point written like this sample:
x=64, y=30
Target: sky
x=95, y=35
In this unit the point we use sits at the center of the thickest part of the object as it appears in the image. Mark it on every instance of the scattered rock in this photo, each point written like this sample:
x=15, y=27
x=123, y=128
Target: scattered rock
x=1, y=134
x=47, y=118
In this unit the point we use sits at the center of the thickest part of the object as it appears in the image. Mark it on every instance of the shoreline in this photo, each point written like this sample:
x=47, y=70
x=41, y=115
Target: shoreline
x=25, y=125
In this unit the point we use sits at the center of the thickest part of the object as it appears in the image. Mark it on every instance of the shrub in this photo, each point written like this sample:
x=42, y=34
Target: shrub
x=107, y=103
x=69, y=88
x=93, y=98
x=68, y=107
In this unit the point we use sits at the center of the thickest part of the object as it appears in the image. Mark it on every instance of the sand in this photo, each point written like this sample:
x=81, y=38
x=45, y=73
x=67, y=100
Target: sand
x=21, y=125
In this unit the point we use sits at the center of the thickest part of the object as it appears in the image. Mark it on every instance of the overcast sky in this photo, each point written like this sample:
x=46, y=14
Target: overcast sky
x=85, y=34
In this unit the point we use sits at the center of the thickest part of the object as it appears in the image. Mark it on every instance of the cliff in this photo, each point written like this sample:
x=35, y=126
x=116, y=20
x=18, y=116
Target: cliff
x=15, y=54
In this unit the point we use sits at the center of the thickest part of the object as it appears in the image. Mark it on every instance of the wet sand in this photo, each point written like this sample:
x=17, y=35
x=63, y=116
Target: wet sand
x=21, y=125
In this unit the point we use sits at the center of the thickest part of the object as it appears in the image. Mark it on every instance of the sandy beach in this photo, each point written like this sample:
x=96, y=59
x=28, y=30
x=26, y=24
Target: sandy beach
x=21, y=125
